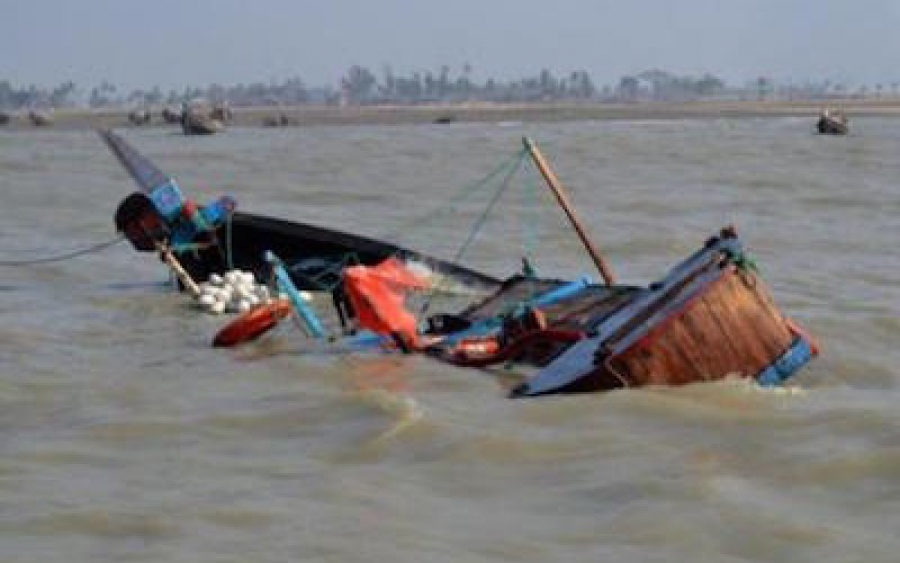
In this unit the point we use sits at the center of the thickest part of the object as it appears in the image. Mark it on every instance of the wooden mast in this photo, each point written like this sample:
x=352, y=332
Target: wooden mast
x=556, y=188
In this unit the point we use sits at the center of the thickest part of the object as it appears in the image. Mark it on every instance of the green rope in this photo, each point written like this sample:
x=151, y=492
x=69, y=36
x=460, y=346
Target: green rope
x=510, y=168
x=479, y=223
x=456, y=201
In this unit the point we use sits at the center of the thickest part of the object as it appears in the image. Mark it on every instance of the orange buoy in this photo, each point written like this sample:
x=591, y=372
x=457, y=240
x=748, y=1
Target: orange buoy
x=476, y=347
x=252, y=324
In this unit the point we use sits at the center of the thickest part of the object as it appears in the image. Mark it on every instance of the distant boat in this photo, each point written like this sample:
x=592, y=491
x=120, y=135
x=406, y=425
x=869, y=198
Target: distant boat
x=280, y=120
x=832, y=122
x=40, y=118
x=196, y=123
x=4, y=118
x=197, y=118
x=139, y=116
x=222, y=112
x=171, y=115
x=445, y=120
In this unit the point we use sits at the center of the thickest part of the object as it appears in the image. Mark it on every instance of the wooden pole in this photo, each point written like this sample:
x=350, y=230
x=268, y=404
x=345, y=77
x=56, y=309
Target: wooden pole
x=176, y=267
x=556, y=188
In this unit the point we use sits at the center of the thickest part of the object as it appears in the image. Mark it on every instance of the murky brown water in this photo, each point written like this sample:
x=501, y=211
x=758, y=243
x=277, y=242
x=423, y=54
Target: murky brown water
x=124, y=437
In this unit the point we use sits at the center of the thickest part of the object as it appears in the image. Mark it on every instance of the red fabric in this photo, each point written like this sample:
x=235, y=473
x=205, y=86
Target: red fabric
x=377, y=295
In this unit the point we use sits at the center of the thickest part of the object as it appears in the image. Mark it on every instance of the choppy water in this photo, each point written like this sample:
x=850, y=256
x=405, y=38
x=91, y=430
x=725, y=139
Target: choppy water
x=124, y=437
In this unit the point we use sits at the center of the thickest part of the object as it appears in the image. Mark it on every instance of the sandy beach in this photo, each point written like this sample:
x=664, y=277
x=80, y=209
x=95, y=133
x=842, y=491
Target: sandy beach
x=485, y=112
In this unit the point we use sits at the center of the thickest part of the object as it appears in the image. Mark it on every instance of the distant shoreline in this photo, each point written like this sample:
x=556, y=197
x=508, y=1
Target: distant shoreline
x=484, y=113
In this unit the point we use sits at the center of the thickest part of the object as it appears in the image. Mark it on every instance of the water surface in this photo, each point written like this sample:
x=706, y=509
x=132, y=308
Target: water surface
x=125, y=437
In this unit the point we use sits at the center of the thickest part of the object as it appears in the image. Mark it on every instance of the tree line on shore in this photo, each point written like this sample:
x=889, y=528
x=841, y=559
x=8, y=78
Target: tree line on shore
x=361, y=86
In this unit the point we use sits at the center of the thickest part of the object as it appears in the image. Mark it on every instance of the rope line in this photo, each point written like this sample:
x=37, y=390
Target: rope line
x=479, y=223
x=510, y=169
x=410, y=227
x=67, y=256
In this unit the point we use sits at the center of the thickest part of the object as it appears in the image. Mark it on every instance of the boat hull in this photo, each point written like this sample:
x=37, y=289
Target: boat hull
x=710, y=318
x=315, y=256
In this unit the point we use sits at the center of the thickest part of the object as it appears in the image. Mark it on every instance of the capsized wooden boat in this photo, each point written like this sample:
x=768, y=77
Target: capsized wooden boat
x=832, y=122
x=710, y=317
x=215, y=237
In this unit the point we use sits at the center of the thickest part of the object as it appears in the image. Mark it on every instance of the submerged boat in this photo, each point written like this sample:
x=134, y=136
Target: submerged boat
x=710, y=317
x=216, y=237
x=832, y=122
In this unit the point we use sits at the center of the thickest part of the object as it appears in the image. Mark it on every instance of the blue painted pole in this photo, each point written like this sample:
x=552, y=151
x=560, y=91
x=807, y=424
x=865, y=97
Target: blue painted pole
x=284, y=283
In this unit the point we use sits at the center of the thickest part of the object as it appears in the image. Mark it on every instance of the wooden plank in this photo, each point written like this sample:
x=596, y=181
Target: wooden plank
x=729, y=306
x=730, y=328
x=781, y=338
x=766, y=336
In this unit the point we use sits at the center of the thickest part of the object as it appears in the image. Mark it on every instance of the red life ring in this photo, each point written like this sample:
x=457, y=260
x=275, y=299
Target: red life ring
x=252, y=324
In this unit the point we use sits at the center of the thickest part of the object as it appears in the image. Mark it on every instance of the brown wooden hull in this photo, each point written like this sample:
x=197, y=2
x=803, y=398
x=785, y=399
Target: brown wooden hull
x=732, y=327
x=712, y=317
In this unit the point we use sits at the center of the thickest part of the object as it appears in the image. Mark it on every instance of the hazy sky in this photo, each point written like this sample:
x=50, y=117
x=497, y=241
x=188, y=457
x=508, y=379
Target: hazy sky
x=174, y=43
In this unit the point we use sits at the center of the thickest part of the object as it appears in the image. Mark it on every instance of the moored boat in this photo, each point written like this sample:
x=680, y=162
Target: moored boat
x=196, y=123
x=198, y=118
x=171, y=115
x=40, y=118
x=832, y=122
x=222, y=112
x=140, y=116
x=280, y=120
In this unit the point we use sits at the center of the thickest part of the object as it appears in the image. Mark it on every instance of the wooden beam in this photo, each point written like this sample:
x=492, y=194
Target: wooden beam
x=557, y=189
